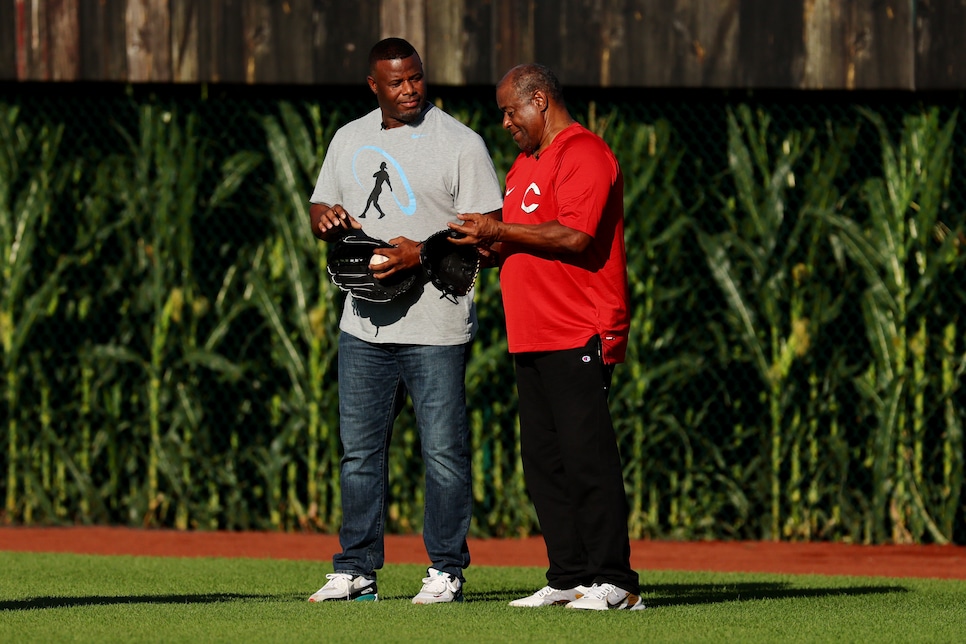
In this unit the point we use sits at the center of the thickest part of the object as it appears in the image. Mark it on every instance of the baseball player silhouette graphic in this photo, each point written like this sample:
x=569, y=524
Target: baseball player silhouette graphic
x=381, y=177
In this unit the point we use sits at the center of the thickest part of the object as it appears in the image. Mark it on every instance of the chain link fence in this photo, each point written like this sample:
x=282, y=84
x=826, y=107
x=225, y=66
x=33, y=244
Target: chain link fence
x=797, y=349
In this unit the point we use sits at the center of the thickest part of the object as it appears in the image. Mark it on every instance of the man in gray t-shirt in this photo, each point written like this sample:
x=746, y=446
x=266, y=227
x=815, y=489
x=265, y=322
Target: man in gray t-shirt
x=401, y=173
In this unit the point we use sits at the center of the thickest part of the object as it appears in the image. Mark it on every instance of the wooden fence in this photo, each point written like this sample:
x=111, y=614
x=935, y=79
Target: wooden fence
x=793, y=44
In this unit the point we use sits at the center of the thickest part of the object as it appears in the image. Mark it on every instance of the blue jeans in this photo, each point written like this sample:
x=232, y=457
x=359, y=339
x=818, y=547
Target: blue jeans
x=374, y=380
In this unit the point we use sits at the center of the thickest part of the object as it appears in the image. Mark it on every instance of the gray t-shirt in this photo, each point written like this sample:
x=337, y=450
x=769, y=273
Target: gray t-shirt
x=409, y=181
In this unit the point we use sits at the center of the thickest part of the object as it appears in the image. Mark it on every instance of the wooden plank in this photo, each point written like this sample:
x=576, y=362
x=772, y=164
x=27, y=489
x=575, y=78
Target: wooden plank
x=184, y=41
x=771, y=44
x=708, y=48
x=31, y=30
x=208, y=42
x=827, y=61
x=276, y=39
x=515, y=34
x=478, y=44
x=940, y=48
x=879, y=45
x=103, y=55
x=148, y=43
x=63, y=29
x=444, y=47
x=256, y=38
x=568, y=40
x=612, y=50
x=640, y=42
x=811, y=44
x=8, y=40
x=627, y=35
x=668, y=43
x=287, y=59
x=866, y=44
x=404, y=19
x=221, y=48
x=344, y=34
x=642, y=49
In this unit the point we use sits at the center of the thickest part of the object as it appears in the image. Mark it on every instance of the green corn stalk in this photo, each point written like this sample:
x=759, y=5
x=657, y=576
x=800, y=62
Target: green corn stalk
x=290, y=269
x=662, y=351
x=905, y=205
x=953, y=447
x=901, y=265
x=97, y=434
x=44, y=493
x=762, y=261
x=272, y=463
x=812, y=279
x=838, y=457
x=84, y=422
x=37, y=454
x=28, y=189
x=502, y=504
x=757, y=299
x=158, y=187
x=811, y=496
x=919, y=463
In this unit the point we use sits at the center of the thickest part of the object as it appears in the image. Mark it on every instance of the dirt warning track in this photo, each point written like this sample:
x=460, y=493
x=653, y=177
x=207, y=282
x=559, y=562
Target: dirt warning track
x=940, y=562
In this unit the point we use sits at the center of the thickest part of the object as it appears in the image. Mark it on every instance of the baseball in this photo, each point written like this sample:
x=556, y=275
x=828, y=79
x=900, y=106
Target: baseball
x=378, y=259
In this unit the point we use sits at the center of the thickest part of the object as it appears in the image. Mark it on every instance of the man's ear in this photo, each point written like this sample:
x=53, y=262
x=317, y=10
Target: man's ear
x=372, y=83
x=540, y=100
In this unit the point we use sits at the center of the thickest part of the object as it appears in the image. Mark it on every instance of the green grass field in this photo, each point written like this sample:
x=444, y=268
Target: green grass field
x=84, y=598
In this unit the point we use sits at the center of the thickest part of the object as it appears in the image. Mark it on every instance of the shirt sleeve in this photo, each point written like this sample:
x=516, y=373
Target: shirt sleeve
x=477, y=186
x=585, y=177
x=327, y=185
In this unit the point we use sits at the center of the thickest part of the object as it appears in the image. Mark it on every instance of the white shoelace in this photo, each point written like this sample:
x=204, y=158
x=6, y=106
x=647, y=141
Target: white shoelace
x=600, y=591
x=341, y=579
x=437, y=584
x=543, y=592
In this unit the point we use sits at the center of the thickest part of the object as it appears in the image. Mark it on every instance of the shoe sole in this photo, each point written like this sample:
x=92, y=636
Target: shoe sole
x=425, y=602
x=561, y=602
x=373, y=597
x=638, y=605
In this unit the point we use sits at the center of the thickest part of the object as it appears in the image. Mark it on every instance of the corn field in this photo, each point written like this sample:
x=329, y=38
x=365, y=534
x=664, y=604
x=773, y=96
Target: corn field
x=795, y=368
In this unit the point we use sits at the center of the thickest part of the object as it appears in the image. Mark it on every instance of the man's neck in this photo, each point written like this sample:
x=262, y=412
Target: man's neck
x=555, y=125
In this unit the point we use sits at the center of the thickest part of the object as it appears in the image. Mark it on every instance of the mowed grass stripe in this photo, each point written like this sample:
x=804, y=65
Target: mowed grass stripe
x=87, y=598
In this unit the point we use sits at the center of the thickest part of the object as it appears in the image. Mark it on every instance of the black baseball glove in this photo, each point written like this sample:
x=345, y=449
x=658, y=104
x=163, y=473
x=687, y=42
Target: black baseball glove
x=348, y=266
x=451, y=268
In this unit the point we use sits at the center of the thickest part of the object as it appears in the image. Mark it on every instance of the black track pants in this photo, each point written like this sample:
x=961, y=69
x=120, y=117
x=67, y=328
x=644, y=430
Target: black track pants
x=573, y=467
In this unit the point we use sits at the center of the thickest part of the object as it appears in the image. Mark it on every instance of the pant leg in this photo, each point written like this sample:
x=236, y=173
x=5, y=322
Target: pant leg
x=370, y=397
x=546, y=479
x=435, y=379
x=583, y=495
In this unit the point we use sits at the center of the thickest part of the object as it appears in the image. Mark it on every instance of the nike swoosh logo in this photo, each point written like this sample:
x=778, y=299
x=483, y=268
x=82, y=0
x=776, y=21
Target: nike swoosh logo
x=630, y=599
x=418, y=136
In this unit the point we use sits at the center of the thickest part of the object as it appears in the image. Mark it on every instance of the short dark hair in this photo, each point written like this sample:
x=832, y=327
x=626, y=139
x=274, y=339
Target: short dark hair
x=389, y=49
x=530, y=77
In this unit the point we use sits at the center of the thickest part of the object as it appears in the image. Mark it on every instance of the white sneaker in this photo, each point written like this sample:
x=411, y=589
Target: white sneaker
x=550, y=596
x=439, y=588
x=345, y=587
x=607, y=596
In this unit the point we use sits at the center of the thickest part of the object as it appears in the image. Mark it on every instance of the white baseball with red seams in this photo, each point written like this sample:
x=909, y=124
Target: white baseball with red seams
x=378, y=259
